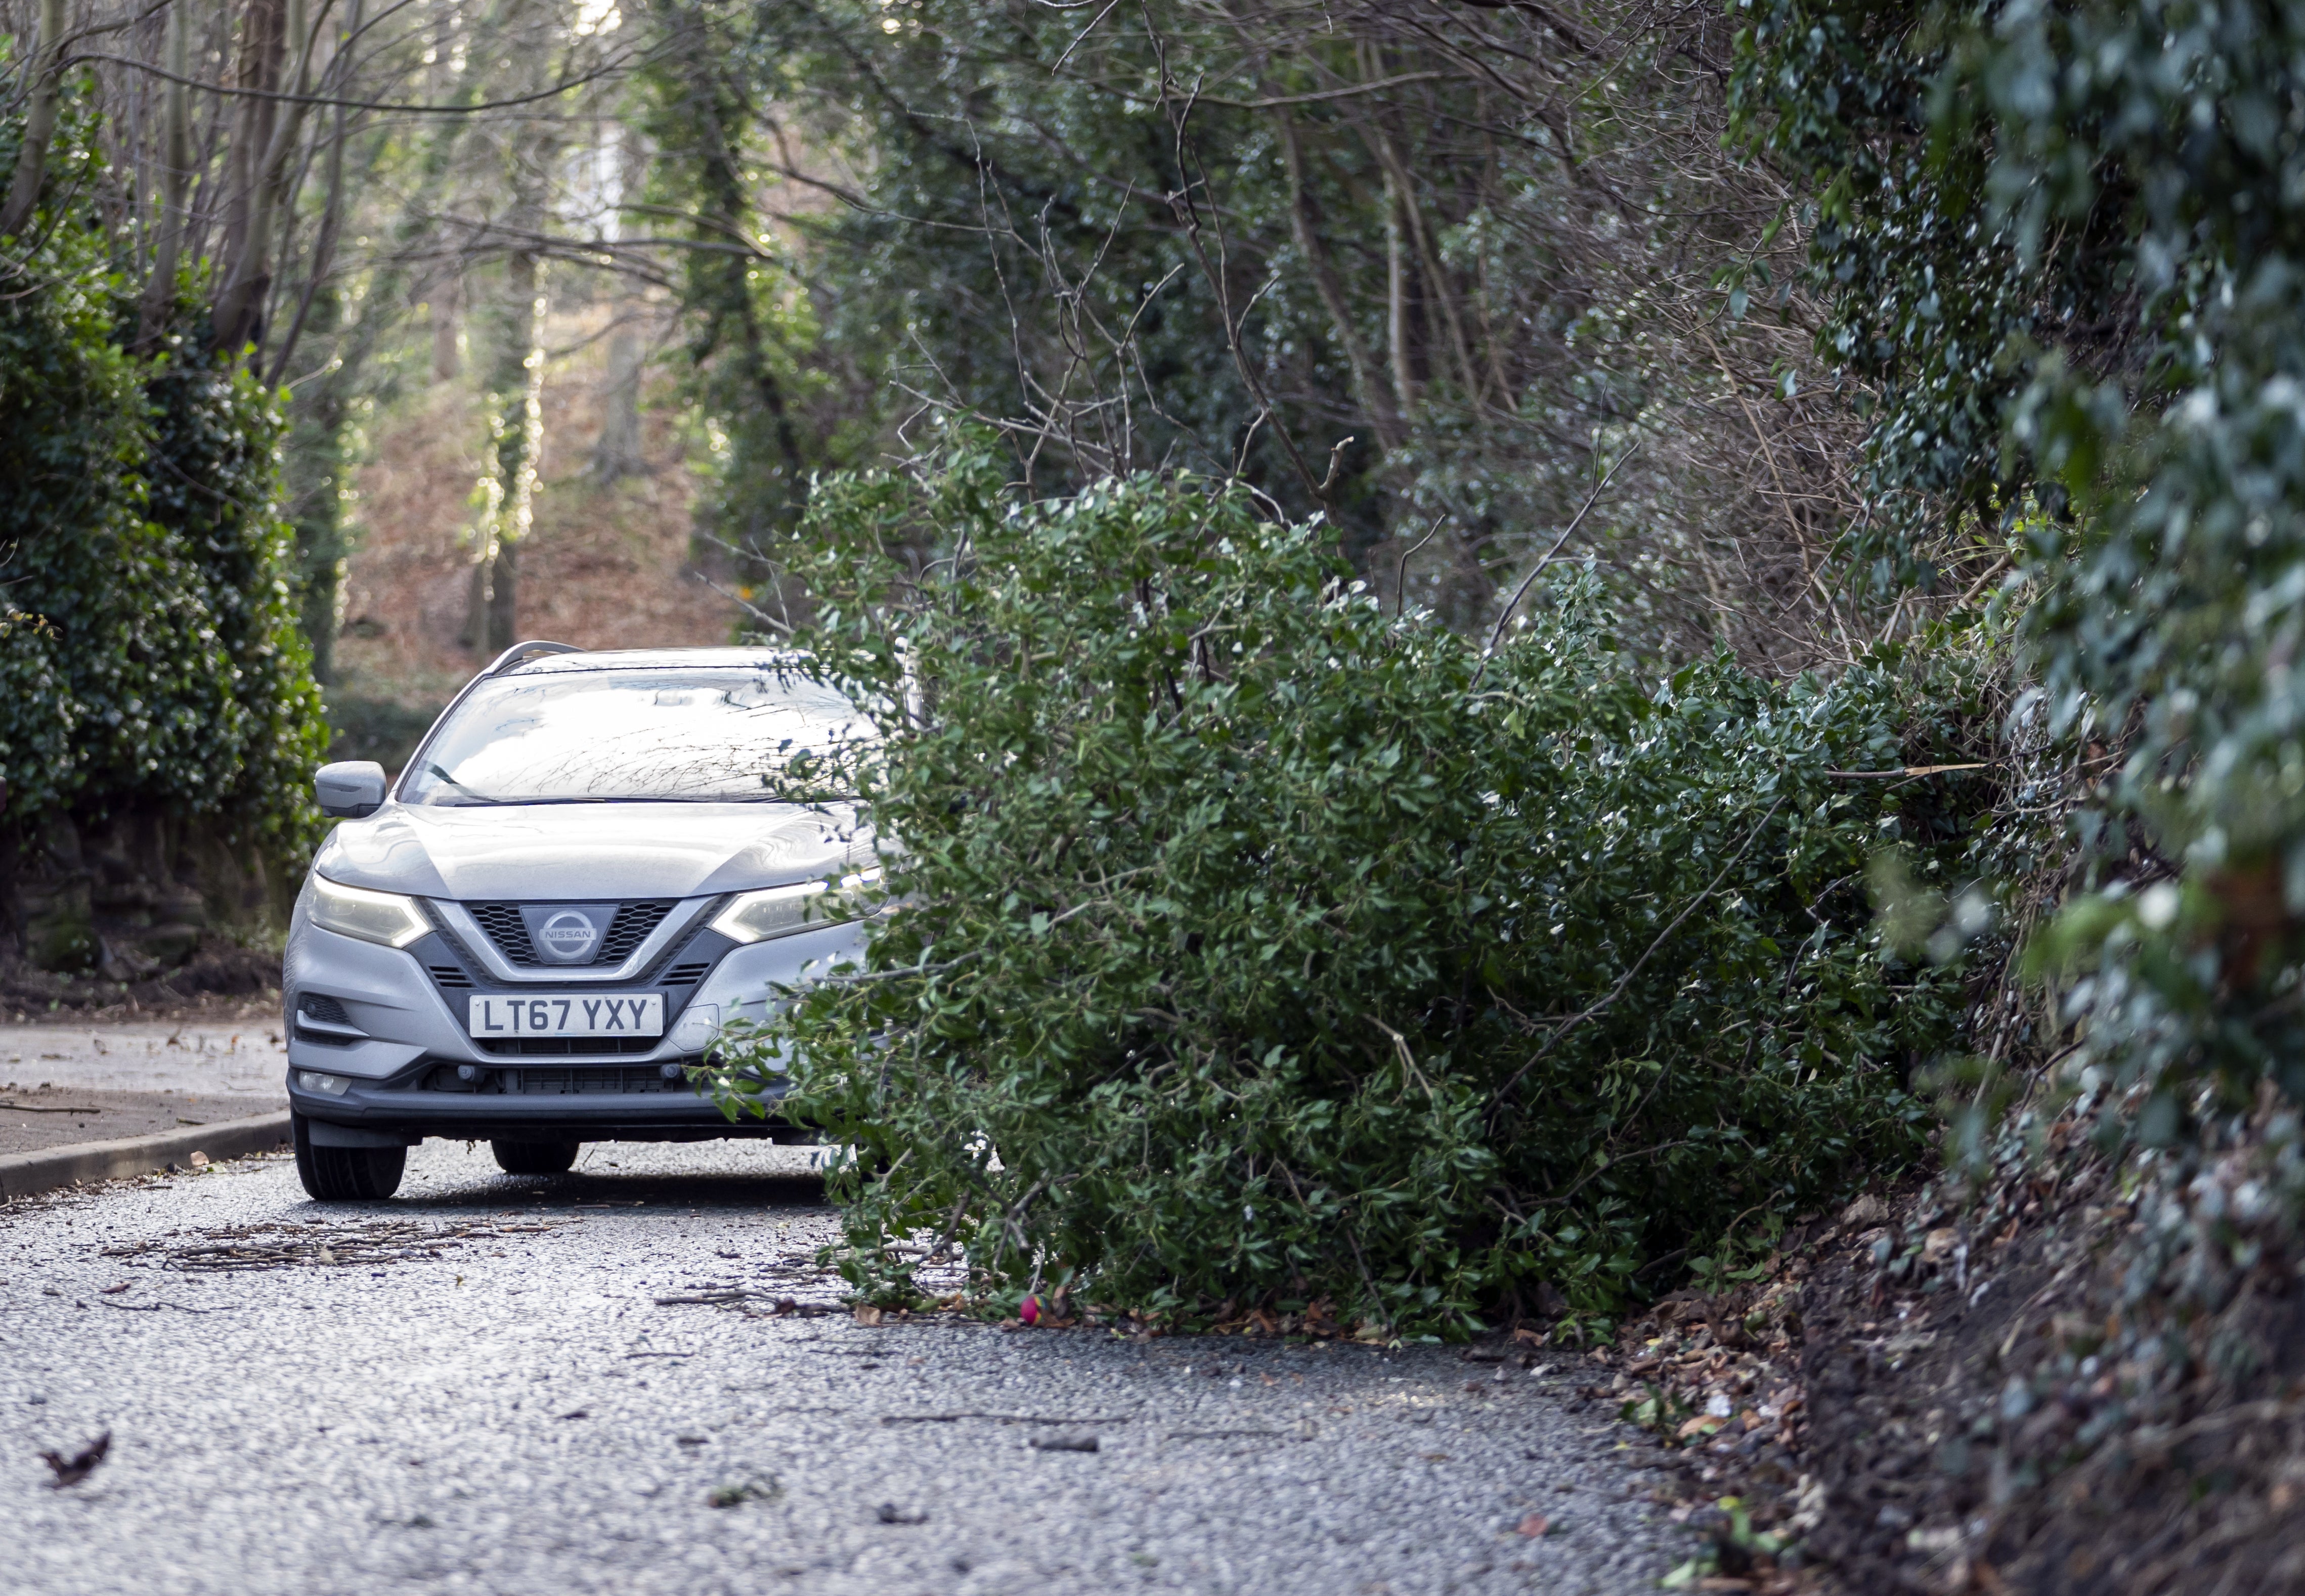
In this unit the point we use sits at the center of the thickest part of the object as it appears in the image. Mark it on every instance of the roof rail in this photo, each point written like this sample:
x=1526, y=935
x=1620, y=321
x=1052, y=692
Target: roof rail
x=520, y=651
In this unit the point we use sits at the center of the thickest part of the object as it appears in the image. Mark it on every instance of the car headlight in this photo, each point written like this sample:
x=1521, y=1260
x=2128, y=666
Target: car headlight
x=384, y=917
x=779, y=911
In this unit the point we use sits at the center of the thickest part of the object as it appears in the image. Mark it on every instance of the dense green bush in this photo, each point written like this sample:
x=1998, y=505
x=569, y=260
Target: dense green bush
x=139, y=524
x=1257, y=944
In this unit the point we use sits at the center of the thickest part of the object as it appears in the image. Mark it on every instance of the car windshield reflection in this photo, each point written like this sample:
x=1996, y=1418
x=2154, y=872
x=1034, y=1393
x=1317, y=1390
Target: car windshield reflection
x=761, y=735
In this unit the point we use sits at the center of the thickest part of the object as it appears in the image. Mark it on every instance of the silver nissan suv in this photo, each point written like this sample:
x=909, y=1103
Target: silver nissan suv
x=593, y=865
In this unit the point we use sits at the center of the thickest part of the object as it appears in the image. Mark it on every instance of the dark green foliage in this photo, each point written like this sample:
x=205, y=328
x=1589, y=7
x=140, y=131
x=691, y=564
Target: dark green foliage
x=1940, y=294
x=746, y=339
x=1279, y=949
x=71, y=431
x=2180, y=599
x=2066, y=241
x=141, y=526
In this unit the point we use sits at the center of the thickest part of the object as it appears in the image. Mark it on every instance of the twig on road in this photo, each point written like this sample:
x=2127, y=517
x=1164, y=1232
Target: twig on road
x=954, y=1418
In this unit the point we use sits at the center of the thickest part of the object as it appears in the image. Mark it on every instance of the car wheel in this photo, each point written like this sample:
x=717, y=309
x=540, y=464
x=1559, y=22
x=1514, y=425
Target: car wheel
x=346, y=1174
x=534, y=1157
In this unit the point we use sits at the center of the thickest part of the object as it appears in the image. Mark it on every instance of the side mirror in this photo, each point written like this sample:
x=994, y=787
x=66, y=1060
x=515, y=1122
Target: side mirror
x=350, y=789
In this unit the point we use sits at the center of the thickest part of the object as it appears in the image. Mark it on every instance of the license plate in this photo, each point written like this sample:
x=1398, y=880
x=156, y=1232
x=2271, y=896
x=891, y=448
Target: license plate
x=630, y=1014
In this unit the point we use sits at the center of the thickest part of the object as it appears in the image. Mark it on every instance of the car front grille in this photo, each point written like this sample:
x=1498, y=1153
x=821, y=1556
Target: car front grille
x=565, y=1046
x=629, y=929
x=581, y=1079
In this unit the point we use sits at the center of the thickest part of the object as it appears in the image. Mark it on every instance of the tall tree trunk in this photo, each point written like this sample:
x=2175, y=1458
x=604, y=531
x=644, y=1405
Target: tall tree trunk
x=1303, y=224
x=520, y=435
x=1396, y=301
x=1436, y=298
x=324, y=242
x=314, y=464
x=316, y=460
x=515, y=375
x=262, y=30
x=239, y=312
x=175, y=176
x=446, y=305
x=1400, y=330
x=40, y=123
x=314, y=469
x=720, y=291
x=618, y=453
x=514, y=326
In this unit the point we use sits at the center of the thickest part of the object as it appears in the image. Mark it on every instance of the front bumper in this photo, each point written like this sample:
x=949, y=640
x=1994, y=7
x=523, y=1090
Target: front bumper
x=406, y=1107
x=400, y=1039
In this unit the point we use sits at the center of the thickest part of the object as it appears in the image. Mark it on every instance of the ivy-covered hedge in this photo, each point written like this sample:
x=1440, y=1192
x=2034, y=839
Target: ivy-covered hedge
x=2064, y=248
x=1259, y=945
x=152, y=655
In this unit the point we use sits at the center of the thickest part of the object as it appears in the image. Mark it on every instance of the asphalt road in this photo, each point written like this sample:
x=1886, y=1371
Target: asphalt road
x=477, y=1388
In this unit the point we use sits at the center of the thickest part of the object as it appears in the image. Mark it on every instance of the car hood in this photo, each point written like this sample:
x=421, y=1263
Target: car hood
x=543, y=852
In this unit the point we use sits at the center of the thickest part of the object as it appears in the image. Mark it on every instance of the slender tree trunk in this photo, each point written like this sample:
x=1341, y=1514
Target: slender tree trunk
x=1400, y=330
x=1436, y=298
x=330, y=394
x=323, y=242
x=1396, y=301
x=314, y=472
x=515, y=379
x=618, y=453
x=314, y=463
x=1304, y=225
x=515, y=375
x=520, y=435
x=720, y=284
x=239, y=311
x=39, y=123
x=446, y=304
x=250, y=124
x=175, y=176
x=504, y=590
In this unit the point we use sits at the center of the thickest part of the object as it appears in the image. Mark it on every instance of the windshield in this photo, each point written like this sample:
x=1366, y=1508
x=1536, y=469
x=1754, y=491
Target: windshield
x=641, y=736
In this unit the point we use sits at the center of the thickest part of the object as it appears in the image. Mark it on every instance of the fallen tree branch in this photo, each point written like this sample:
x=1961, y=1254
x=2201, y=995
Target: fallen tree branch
x=1905, y=770
x=1497, y=634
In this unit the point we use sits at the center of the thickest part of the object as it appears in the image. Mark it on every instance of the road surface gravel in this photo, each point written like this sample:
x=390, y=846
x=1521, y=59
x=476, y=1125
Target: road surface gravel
x=481, y=1386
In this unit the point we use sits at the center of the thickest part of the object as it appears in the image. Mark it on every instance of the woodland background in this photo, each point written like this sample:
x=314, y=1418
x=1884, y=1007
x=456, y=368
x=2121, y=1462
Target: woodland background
x=1813, y=485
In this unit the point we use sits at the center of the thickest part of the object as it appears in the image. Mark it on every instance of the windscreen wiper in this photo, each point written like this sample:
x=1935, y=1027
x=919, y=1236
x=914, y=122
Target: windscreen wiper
x=478, y=798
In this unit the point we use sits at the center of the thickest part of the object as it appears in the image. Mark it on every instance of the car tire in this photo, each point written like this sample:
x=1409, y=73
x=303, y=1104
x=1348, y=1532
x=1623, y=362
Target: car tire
x=534, y=1157
x=346, y=1174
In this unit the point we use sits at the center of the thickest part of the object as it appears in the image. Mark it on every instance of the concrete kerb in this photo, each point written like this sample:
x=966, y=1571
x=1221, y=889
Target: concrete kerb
x=22, y=1173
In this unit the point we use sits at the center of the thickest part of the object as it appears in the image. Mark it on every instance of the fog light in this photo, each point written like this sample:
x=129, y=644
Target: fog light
x=672, y=1072
x=468, y=1072
x=332, y=1085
